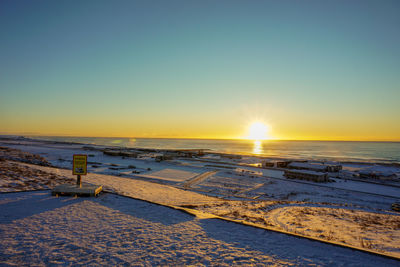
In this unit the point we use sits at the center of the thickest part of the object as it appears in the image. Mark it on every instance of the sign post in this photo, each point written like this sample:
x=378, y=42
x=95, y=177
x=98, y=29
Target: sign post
x=79, y=167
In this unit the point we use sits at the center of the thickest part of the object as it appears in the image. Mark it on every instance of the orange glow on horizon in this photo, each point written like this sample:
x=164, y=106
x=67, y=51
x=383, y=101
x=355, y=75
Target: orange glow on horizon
x=212, y=128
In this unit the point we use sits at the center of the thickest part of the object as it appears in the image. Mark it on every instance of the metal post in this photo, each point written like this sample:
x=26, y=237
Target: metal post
x=78, y=181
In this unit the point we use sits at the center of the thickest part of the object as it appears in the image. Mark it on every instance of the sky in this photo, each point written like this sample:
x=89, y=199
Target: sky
x=309, y=70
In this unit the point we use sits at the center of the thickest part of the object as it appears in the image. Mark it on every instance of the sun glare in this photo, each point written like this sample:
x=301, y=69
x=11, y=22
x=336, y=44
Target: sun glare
x=258, y=131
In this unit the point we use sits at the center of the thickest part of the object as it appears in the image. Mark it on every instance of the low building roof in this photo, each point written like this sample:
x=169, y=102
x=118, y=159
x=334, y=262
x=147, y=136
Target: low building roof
x=314, y=166
x=306, y=172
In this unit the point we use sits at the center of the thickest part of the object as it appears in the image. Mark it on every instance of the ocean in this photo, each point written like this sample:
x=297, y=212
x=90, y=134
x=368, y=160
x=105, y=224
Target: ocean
x=379, y=152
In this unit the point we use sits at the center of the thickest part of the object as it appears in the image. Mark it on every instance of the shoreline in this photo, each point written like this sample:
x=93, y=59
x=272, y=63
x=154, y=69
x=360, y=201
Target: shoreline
x=341, y=160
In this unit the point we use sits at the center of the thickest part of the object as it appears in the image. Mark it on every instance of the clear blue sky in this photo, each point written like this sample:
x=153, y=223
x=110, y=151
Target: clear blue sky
x=308, y=69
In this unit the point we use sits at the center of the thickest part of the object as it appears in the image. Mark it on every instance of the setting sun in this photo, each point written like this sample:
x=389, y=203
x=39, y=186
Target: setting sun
x=258, y=131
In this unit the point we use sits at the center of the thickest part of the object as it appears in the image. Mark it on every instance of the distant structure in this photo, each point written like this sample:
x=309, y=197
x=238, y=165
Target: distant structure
x=230, y=156
x=317, y=167
x=283, y=164
x=162, y=156
x=247, y=172
x=119, y=152
x=307, y=175
x=372, y=173
x=268, y=163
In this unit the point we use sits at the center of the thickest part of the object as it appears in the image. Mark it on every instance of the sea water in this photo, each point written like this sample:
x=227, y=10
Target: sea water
x=382, y=152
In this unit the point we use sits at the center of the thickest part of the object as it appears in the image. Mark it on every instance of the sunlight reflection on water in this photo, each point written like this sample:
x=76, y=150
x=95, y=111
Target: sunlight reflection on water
x=257, y=148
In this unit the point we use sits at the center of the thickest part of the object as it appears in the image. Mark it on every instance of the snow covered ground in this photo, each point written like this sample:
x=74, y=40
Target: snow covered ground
x=171, y=175
x=275, y=184
x=38, y=229
x=349, y=217
x=231, y=186
x=149, y=191
x=304, y=207
x=357, y=228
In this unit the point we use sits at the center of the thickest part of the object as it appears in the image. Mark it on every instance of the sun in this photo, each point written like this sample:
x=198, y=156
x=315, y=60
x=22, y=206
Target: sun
x=258, y=131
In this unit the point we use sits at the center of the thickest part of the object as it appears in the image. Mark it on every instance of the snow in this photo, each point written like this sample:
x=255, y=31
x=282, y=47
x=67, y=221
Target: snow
x=171, y=175
x=211, y=190
x=17, y=177
x=149, y=191
x=385, y=190
x=230, y=186
x=378, y=171
x=38, y=229
x=380, y=232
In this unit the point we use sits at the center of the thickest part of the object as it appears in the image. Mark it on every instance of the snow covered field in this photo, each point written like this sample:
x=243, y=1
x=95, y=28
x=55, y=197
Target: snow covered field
x=346, y=224
x=353, y=227
x=38, y=229
x=350, y=212
x=236, y=187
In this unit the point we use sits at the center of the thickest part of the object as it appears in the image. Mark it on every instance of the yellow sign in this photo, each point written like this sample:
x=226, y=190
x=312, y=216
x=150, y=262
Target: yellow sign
x=79, y=166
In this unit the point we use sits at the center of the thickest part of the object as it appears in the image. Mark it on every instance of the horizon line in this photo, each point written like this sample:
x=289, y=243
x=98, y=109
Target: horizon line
x=200, y=138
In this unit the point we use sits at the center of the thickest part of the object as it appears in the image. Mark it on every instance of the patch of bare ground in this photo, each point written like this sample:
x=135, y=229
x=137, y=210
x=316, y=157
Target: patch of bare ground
x=375, y=231
x=13, y=154
x=17, y=177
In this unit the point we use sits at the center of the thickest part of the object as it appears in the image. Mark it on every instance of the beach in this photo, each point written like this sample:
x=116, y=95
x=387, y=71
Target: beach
x=215, y=206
